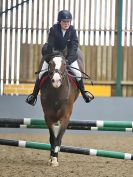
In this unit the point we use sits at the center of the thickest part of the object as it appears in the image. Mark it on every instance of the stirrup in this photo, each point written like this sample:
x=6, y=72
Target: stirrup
x=31, y=99
x=87, y=96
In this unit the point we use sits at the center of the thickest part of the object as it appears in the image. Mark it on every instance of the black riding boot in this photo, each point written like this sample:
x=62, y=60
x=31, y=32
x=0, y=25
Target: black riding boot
x=87, y=96
x=32, y=98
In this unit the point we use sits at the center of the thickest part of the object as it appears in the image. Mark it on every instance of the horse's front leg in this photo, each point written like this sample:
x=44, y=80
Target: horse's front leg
x=58, y=140
x=53, y=161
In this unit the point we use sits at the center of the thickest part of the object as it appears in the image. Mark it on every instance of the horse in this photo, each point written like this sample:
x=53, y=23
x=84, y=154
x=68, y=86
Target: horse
x=58, y=94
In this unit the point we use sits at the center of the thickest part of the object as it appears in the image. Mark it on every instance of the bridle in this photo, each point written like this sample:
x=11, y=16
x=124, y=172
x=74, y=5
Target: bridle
x=63, y=73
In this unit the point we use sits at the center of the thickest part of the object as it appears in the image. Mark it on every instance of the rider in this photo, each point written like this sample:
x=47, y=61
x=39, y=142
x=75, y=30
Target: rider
x=62, y=35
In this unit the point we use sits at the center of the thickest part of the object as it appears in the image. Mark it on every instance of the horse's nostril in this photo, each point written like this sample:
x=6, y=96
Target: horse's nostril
x=52, y=80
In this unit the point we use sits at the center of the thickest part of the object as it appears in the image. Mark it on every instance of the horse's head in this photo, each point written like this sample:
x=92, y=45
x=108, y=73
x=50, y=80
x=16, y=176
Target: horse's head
x=57, y=70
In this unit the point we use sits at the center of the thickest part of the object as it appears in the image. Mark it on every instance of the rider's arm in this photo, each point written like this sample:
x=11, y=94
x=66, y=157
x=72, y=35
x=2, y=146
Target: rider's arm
x=72, y=46
x=51, y=39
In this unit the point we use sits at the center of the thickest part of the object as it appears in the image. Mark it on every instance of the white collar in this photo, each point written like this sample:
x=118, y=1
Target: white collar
x=63, y=31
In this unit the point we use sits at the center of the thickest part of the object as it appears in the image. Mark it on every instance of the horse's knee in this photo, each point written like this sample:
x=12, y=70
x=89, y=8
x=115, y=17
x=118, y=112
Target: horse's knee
x=51, y=139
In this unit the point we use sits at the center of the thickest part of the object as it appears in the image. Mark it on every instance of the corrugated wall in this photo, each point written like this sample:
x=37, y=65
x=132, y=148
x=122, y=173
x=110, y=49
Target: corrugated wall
x=24, y=29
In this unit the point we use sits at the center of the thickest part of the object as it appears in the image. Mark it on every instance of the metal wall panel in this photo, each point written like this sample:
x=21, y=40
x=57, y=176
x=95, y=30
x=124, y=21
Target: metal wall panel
x=24, y=29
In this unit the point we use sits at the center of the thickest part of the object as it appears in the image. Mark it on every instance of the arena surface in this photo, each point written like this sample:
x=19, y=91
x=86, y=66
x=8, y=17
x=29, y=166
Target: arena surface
x=24, y=162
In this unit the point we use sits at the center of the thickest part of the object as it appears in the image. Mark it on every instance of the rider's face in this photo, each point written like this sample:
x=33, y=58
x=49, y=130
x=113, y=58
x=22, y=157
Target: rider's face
x=65, y=24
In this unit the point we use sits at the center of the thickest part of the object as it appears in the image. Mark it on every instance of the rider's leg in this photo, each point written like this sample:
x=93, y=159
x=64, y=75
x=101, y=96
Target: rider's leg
x=79, y=79
x=32, y=98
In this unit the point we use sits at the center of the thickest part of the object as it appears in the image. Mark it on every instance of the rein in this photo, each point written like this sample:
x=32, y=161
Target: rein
x=68, y=69
x=83, y=77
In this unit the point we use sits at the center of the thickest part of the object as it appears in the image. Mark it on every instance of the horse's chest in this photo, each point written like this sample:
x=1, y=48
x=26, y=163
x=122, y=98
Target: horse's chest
x=57, y=101
x=58, y=104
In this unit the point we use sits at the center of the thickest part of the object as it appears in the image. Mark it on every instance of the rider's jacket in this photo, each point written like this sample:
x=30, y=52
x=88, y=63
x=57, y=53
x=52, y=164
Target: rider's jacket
x=57, y=41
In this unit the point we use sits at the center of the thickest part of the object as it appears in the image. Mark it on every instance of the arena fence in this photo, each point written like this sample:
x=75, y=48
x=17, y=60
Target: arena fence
x=104, y=29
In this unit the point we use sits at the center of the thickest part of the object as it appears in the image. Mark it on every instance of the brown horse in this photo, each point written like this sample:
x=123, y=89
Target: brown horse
x=58, y=94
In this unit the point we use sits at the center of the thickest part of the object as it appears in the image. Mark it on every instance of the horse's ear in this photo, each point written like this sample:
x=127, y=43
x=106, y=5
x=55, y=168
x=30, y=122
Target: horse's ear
x=44, y=49
x=65, y=52
x=53, y=50
x=56, y=52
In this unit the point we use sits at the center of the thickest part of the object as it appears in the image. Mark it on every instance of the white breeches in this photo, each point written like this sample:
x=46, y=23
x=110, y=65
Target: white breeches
x=75, y=71
x=44, y=69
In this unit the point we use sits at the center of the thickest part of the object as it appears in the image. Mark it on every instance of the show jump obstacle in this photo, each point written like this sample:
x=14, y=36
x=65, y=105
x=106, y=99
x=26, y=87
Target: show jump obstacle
x=75, y=125
x=67, y=149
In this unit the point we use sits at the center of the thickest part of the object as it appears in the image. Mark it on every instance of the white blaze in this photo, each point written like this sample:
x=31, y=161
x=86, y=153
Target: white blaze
x=57, y=61
x=56, y=76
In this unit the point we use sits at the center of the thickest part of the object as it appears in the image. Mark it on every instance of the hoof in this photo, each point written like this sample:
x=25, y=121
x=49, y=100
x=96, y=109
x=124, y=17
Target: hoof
x=53, y=162
x=50, y=161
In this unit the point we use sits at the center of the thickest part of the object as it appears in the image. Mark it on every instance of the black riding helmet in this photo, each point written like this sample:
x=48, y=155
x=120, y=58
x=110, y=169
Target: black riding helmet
x=64, y=15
